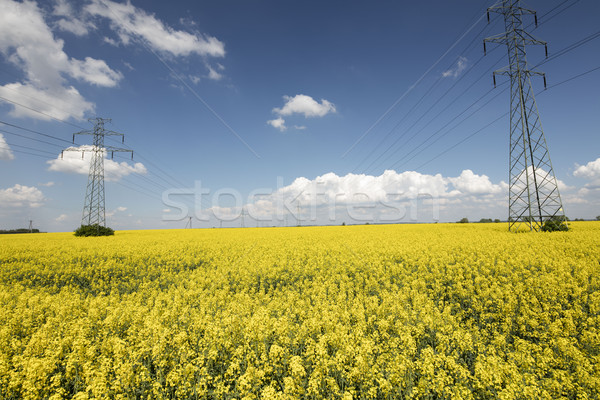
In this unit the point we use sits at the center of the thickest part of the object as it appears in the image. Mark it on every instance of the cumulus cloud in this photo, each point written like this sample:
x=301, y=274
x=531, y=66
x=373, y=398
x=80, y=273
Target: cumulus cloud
x=58, y=101
x=455, y=71
x=61, y=218
x=27, y=41
x=21, y=196
x=305, y=105
x=77, y=160
x=468, y=182
x=131, y=23
x=94, y=71
x=5, y=151
x=278, y=123
x=69, y=20
x=213, y=73
x=589, y=171
x=391, y=196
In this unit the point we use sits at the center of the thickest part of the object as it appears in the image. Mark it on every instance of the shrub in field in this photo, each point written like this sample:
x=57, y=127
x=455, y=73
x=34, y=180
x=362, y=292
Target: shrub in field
x=94, y=230
x=555, y=224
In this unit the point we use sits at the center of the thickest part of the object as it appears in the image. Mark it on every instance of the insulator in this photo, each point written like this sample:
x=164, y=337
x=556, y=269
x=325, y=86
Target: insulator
x=484, y=50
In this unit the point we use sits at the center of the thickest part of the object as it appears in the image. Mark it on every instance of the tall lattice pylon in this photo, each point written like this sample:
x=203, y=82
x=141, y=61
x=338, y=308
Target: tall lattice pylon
x=93, y=209
x=533, y=190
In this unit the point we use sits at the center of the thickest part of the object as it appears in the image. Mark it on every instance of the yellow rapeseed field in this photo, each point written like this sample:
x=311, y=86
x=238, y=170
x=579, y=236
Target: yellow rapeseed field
x=445, y=311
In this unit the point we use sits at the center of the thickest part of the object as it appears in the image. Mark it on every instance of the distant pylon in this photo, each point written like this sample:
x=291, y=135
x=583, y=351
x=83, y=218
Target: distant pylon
x=93, y=209
x=533, y=189
x=30, y=226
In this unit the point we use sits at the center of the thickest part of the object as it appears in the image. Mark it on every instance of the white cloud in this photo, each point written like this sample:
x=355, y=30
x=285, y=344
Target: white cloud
x=590, y=171
x=110, y=41
x=460, y=66
x=74, y=26
x=278, y=123
x=94, y=71
x=131, y=22
x=213, y=74
x=69, y=20
x=121, y=209
x=61, y=218
x=470, y=183
x=47, y=184
x=391, y=196
x=5, y=151
x=27, y=41
x=59, y=101
x=21, y=196
x=73, y=162
x=305, y=105
x=299, y=127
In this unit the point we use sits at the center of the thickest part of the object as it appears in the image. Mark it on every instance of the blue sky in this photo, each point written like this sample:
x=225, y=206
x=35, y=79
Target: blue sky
x=287, y=100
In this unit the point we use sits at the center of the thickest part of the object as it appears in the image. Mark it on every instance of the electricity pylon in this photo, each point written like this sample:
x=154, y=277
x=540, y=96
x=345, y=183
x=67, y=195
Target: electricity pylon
x=93, y=209
x=533, y=189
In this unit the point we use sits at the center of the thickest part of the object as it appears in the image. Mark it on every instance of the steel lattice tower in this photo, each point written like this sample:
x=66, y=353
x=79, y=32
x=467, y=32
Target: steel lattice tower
x=533, y=189
x=93, y=210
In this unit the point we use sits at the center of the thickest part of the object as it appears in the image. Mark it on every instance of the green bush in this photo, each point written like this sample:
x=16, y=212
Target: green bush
x=555, y=224
x=94, y=230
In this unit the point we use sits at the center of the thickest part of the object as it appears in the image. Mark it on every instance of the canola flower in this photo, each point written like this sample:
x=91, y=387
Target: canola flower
x=445, y=311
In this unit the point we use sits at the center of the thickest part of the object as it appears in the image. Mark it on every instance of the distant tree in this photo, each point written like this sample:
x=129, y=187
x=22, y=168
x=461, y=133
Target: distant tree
x=598, y=218
x=465, y=220
x=20, y=230
x=485, y=220
x=497, y=220
x=343, y=224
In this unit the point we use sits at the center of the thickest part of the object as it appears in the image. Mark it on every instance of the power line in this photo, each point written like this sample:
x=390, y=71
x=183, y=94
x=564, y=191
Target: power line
x=574, y=77
x=432, y=106
x=36, y=132
x=504, y=115
x=560, y=53
x=463, y=140
x=30, y=138
x=450, y=104
x=39, y=112
x=417, y=82
x=451, y=129
x=28, y=148
x=24, y=152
